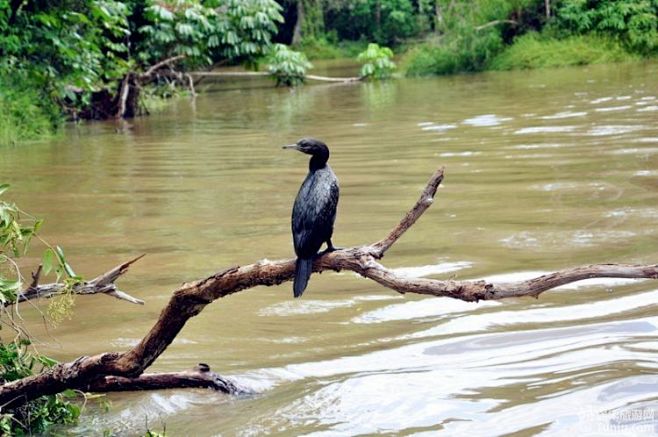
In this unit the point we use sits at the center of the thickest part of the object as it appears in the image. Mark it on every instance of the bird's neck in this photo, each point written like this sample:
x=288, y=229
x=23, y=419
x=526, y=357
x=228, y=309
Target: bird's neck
x=317, y=162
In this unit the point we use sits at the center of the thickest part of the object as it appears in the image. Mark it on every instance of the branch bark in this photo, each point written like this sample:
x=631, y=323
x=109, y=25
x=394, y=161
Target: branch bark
x=191, y=298
x=495, y=22
x=198, y=377
x=202, y=74
x=153, y=68
x=104, y=284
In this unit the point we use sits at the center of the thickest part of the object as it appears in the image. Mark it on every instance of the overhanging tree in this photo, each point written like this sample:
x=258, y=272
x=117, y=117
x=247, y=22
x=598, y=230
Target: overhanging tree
x=93, y=56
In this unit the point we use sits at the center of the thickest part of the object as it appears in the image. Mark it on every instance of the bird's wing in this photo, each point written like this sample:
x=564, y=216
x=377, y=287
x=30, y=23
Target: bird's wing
x=313, y=218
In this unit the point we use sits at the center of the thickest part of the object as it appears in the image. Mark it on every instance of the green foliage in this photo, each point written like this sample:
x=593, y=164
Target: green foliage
x=383, y=21
x=17, y=229
x=320, y=48
x=73, y=50
x=469, y=41
x=17, y=362
x=150, y=433
x=328, y=47
x=633, y=22
x=195, y=29
x=461, y=53
x=535, y=51
x=377, y=62
x=287, y=66
x=312, y=25
x=62, y=45
x=26, y=113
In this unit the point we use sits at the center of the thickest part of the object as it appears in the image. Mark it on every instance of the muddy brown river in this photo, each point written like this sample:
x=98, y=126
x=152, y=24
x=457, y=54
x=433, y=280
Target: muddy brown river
x=544, y=170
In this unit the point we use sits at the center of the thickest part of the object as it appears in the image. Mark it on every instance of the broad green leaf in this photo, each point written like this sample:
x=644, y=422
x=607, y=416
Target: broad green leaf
x=47, y=261
x=62, y=260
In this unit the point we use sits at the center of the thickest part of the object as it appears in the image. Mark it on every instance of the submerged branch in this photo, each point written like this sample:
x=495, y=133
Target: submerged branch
x=495, y=22
x=201, y=74
x=190, y=299
x=198, y=377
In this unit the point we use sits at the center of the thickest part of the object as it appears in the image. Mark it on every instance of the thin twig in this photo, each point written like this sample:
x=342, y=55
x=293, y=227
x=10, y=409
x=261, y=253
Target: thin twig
x=35, y=277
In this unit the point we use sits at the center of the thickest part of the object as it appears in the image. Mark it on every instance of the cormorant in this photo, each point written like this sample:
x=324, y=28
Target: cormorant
x=314, y=212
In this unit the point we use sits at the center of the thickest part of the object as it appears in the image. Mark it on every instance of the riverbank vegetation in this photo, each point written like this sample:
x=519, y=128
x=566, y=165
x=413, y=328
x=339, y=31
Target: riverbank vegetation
x=454, y=36
x=96, y=59
x=17, y=359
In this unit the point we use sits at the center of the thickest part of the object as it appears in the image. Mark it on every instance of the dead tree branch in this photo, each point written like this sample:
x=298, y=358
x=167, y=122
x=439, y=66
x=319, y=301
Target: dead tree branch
x=202, y=74
x=198, y=377
x=191, y=298
x=494, y=23
x=104, y=283
x=167, y=62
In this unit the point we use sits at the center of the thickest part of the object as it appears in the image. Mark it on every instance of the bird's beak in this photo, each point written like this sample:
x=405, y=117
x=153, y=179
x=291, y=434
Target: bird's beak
x=291, y=146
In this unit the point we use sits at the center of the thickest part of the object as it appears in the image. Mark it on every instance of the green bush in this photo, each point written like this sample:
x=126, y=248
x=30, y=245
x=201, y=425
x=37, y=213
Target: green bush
x=37, y=416
x=383, y=21
x=632, y=22
x=454, y=54
x=78, y=52
x=26, y=113
x=207, y=31
x=377, y=63
x=327, y=47
x=472, y=34
x=287, y=66
x=535, y=51
x=320, y=48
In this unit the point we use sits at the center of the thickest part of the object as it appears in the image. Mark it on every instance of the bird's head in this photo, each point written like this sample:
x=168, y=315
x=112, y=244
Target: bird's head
x=310, y=146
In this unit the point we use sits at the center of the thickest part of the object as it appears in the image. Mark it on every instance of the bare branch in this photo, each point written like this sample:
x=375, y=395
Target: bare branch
x=160, y=64
x=424, y=201
x=198, y=377
x=190, y=84
x=123, y=96
x=103, y=283
x=35, y=277
x=333, y=79
x=495, y=22
x=202, y=74
x=473, y=291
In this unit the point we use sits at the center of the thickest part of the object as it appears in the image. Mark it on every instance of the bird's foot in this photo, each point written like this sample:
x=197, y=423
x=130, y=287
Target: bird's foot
x=330, y=248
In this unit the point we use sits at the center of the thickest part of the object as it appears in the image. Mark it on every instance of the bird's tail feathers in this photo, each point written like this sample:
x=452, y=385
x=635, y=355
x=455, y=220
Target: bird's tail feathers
x=303, y=269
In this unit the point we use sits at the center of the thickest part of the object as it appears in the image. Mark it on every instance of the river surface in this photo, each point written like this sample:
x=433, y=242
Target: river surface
x=544, y=170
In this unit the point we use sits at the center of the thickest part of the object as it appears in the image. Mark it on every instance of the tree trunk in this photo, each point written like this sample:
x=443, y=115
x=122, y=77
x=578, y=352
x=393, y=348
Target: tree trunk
x=297, y=32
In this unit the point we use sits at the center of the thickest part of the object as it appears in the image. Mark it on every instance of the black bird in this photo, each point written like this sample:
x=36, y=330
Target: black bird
x=314, y=212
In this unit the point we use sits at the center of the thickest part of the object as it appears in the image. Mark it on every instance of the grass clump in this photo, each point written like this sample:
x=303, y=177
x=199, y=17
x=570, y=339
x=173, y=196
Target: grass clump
x=536, y=51
x=329, y=48
x=24, y=113
x=461, y=53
